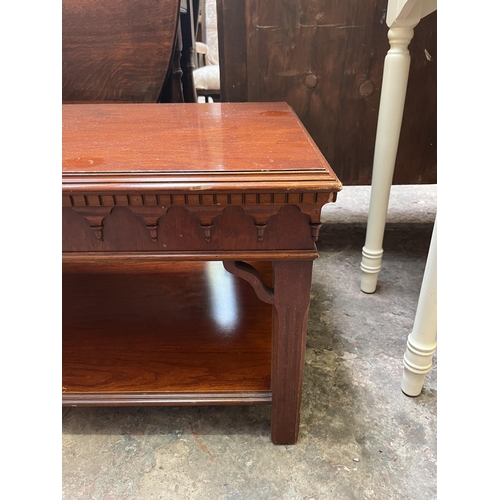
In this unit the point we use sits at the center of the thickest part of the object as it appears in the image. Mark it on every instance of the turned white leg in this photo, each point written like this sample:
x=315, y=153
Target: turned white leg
x=392, y=99
x=421, y=344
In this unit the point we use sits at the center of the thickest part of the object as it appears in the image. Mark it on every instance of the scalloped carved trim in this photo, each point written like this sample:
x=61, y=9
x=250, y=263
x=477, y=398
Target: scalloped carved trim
x=178, y=229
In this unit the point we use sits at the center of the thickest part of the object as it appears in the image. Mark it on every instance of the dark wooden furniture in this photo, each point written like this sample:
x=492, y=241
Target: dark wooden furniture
x=128, y=51
x=326, y=59
x=189, y=25
x=179, y=85
x=155, y=197
x=116, y=51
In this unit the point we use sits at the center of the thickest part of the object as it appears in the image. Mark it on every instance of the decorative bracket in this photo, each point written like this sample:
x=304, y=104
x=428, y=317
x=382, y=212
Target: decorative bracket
x=250, y=274
x=153, y=231
x=96, y=224
x=152, y=225
x=315, y=231
x=207, y=229
x=260, y=231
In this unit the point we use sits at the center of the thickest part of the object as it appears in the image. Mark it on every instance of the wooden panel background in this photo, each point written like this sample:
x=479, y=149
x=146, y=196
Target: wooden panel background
x=325, y=58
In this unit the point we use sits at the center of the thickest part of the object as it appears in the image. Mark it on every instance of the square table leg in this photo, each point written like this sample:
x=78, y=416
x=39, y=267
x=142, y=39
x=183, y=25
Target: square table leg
x=292, y=288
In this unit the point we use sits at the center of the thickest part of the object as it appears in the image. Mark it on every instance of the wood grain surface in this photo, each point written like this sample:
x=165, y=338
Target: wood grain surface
x=116, y=51
x=114, y=260
x=292, y=289
x=220, y=138
x=169, y=328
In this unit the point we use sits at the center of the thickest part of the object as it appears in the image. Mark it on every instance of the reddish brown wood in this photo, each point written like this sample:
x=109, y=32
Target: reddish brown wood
x=147, y=184
x=179, y=230
x=168, y=328
x=251, y=275
x=228, y=143
x=132, y=182
x=292, y=288
x=116, y=51
x=106, y=260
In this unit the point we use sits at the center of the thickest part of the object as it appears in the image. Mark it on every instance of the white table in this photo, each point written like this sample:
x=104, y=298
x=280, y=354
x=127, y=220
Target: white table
x=402, y=17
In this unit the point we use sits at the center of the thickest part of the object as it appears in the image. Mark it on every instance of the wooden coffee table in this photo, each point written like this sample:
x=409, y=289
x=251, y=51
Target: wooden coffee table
x=188, y=241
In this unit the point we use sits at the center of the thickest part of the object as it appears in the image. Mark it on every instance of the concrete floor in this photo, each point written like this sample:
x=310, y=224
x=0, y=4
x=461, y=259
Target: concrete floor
x=360, y=436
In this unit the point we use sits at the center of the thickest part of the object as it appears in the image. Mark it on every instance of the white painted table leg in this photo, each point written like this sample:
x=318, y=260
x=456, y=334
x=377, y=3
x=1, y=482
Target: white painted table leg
x=392, y=99
x=421, y=344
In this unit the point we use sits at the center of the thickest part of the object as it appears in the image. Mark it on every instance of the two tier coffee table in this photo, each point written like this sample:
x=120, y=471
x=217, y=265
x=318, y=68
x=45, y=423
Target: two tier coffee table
x=188, y=241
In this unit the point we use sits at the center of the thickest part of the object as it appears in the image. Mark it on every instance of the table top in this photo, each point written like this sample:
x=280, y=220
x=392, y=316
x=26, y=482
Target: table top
x=220, y=146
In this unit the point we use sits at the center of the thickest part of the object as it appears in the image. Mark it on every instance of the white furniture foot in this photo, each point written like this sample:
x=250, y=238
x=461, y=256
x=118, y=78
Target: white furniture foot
x=421, y=344
x=402, y=17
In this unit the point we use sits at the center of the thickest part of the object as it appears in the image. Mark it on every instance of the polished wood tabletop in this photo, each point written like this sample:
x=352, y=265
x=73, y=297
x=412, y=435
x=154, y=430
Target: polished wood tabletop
x=209, y=145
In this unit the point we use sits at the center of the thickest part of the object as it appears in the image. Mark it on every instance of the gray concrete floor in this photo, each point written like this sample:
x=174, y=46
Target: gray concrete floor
x=360, y=436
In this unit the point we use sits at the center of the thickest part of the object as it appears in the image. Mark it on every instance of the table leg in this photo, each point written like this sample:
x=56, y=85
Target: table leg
x=292, y=288
x=421, y=344
x=392, y=99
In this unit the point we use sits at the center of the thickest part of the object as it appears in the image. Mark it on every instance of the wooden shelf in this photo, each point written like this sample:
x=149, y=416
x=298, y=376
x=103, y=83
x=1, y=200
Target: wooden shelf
x=164, y=333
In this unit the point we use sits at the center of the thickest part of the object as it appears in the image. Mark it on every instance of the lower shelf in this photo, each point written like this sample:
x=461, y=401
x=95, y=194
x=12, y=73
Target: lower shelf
x=171, y=333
